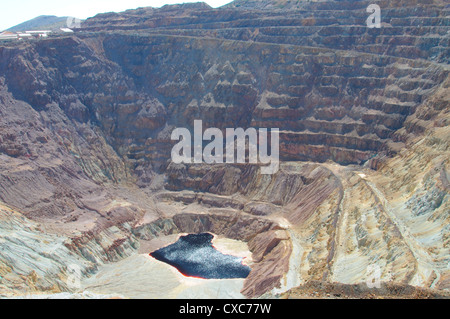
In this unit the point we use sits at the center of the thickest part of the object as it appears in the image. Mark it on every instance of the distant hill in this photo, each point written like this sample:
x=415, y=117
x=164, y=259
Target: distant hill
x=52, y=23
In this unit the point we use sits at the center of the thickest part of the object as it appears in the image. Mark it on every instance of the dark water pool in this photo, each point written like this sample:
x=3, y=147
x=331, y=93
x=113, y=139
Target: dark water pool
x=195, y=256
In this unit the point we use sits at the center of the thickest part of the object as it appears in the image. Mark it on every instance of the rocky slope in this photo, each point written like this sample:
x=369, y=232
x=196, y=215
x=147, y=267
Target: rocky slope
x=85, y=123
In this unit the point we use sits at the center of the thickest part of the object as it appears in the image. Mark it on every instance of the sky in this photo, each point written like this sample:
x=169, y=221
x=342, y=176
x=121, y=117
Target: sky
x=13, y=12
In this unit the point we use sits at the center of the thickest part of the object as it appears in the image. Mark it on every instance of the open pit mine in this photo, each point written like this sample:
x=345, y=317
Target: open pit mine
x=93, y=206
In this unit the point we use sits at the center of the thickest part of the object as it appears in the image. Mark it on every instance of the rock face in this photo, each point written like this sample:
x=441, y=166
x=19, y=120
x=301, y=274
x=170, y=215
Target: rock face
x=86, y=120
x=271, y=251
x=323, y=290
x=35, y=260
